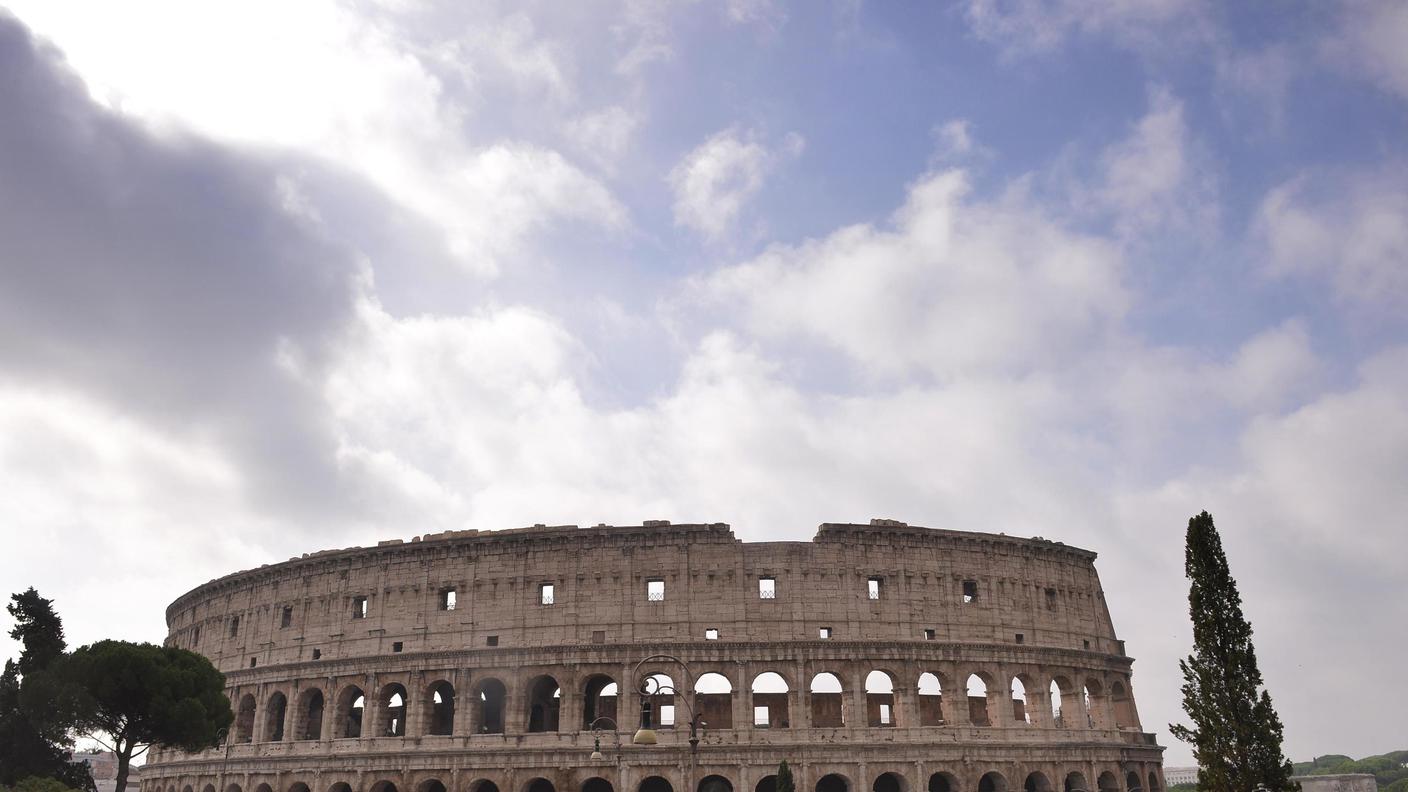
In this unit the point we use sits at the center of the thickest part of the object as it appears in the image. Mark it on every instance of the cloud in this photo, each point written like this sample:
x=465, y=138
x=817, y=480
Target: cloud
x=604, y=136
x=371, y=93
x=951, y=286
x=713, y=182
x=1369, y=42
x=1346, y=228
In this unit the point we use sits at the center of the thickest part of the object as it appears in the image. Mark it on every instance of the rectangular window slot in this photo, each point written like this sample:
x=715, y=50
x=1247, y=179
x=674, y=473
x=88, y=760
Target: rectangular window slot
x=598, y=636
x=448, y=599
x=884, y=714
x=234, y=626
x=1085, y=644
x=655, y=590
x=760, y=717
x=545, y=593
x=929, y=635
x=359, y=607
x=317, y=654
x=1051, y=599
x=823, y=632
x=711, y=634
x=667, y=715
x=253, y=661
x=396, y=646
x=767, y=588
x=492, y=640
x=873, y=588
x=1021, y=638
x=286, y=618
x=195, y=636
x=970, y=591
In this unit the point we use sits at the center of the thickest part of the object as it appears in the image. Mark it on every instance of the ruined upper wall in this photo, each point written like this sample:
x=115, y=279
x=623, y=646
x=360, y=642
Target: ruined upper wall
x=1046, y=592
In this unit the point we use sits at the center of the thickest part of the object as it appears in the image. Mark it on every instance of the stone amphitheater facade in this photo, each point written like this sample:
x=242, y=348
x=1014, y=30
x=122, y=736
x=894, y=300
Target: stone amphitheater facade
x=881, y=657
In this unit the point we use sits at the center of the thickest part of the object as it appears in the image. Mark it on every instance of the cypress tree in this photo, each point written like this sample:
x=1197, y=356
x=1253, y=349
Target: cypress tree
x=1236, y=733
x=784, y=778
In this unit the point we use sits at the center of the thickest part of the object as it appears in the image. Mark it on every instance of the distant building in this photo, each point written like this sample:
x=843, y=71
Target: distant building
x=1347, y=782
x=1180, y=775
x=103, y=766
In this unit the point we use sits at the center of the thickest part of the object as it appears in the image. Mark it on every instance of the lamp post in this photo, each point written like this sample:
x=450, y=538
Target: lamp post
x=224, y=737
x=649, y=686
x=596, y=739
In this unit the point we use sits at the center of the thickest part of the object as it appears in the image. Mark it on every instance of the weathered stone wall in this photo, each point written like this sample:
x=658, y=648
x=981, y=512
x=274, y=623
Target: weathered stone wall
x=334, y=663
x=1345, y=782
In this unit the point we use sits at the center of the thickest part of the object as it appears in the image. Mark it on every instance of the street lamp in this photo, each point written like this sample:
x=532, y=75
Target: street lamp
x=596, y=738
x=649, y=686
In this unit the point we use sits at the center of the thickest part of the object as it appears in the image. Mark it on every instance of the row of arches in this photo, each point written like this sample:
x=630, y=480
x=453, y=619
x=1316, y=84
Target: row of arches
x=390, y=712
x=889, y=781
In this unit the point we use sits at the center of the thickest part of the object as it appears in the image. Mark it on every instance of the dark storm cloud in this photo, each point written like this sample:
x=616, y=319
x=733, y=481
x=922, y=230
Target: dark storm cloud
x=164, y=276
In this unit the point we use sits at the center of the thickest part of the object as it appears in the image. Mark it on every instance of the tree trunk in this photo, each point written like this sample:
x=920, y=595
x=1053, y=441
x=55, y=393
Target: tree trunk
x=124, y=758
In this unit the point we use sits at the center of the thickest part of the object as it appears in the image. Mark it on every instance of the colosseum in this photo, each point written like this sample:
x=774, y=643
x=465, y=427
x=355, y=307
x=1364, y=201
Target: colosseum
x=667, y=658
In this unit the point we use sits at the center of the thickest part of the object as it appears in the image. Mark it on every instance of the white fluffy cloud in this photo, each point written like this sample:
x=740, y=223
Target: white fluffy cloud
x=1346, y=229
x=1024, y=27
x=953, y=285
x=713, y=182
x=1369, y=41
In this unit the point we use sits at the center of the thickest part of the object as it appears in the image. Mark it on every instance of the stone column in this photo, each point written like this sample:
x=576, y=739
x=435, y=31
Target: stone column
x=955, y=697
x=330, y=692
x=742, y=699
x=859, y=716
x=515, y=705
x=463, y=724
x=906, y=696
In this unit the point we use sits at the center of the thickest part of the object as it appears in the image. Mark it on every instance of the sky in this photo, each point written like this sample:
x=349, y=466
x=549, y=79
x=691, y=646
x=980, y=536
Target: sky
x=281, y=277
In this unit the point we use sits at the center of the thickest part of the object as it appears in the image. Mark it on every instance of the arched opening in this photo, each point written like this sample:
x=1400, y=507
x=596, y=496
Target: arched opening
x=826, y=695
x=263, y=788
x=187, y=788
x=1131, y=780
x=1093, y=696
x=714, y=783
x=540, y=785
x=943, y=782
x=1037, y=782
x=1125, y=717
x=442, y=708
x=233, y=788
x=655, y=784
x=298, y=786
x=662, y=701
x=1075, y=782
x=244, y=719
x=208, y=788
x=340, y=786
x=931, y=700
x=489, y=716
x=431, y=785
x=992, y=781
x=1021, y=713
x=766, y=784
x=308, y=724
x=1154, y=781
x=383, y=786
x=351, y=704
x=1107, y=782
x=879, y=699
x=274, y=713
x=977, y=689
x=599, y=700
x=1060, y=690
x=833, y=782
x=544, y=704
x=770, y=707
x=889, y=782
x=393, y=711
x=484, y=786
x=597, y=784
x=713, y=700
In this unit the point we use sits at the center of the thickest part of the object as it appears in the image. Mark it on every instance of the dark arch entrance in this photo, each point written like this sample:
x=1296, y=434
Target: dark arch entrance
x=888, y=782
x=768, y=784
x=655, y=784
x=540, y=785
x=715, y=783
x=832, y=783
x=486, y=786
x=597, y=785
x=942, y=782
x=431, y=785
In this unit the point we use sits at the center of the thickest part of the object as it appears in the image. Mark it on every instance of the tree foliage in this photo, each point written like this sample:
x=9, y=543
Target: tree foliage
x=37, y=784
x=137, y=695
x=1236, y=733
x=784, y=778
x=33, y=743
